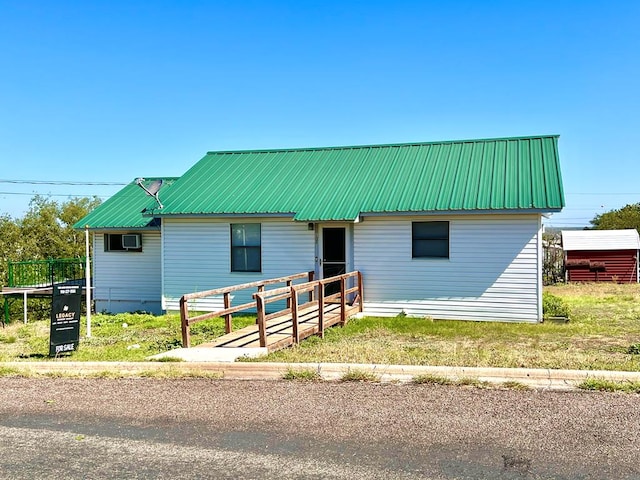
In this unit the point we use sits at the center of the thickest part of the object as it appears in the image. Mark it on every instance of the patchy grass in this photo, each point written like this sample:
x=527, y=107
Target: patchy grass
x=603, y=334
x=473, y=382
x=461, y=382
x=357, y=375
x=9, y=372
x=121, y=337
x=167, y=359
x=8, y=339
x=305, y=374
x=24, y=371
x=602, y=385
x=634, y=349
x=514, y=385
x=177, y=373
x=432, y=380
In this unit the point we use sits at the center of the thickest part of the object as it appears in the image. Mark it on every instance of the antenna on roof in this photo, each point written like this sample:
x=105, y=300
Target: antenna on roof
x=152, y=190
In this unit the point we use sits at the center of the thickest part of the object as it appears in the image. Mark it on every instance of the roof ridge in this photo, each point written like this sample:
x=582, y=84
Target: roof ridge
x=382, y=145
x=155, y=177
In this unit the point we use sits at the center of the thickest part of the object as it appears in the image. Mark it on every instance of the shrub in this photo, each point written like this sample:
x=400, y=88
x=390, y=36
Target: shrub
x=553, y=306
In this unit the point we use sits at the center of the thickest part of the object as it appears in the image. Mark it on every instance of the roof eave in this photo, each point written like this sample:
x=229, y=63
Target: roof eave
x=121, y=227
x=511, y=211
x=220, y=215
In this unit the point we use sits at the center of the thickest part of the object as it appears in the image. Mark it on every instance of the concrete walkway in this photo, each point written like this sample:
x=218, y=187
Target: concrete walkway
x=211, y=354
x=534, y=378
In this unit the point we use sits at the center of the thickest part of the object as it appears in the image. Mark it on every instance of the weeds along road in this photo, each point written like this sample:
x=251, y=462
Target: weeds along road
x=224, y=429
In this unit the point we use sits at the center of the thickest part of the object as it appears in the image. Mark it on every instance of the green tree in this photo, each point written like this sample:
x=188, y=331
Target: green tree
x=45, y=231
x=10, y=244
x=625, y=217
x=47, y=228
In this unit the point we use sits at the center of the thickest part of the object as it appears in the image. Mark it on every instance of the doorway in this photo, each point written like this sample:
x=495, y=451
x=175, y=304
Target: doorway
x=334, y=255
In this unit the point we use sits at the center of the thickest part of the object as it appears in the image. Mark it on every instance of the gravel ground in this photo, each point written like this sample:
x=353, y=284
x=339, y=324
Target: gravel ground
x=199, y=428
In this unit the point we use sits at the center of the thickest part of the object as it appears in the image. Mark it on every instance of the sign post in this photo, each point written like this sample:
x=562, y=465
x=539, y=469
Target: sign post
x=65, y=319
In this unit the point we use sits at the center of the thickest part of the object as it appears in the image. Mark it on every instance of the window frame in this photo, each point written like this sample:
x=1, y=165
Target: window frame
x=111, y=246
x=246, y=248
x=431, y=238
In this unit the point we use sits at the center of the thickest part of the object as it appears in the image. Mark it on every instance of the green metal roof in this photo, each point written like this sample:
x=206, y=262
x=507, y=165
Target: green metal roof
x=124, y=209
x=340, y=183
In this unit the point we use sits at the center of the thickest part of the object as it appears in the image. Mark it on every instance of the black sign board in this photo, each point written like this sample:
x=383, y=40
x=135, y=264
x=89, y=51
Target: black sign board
x=65, y=319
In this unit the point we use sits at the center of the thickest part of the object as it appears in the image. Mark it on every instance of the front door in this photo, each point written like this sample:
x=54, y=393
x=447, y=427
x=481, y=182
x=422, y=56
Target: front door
x=334, y=255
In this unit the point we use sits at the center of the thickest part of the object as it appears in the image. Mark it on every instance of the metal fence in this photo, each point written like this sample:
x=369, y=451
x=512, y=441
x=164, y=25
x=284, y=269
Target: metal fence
x=553, y=269
x=42, y=273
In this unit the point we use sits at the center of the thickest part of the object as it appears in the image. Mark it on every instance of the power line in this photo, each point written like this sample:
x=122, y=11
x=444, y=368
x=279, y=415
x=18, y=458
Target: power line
x=94, y=183
x=58, y=182
x=604, y=193
x=54, y=194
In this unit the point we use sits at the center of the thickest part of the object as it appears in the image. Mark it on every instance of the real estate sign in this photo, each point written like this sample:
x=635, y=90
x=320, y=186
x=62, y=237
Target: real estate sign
x=65, y=319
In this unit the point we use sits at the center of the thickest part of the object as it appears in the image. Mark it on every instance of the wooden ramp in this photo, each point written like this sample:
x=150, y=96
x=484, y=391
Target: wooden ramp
x=288, y=326
x=279, y=330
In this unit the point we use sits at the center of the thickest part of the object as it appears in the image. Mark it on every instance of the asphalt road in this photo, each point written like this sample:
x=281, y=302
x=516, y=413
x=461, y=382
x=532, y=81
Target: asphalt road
x=224, y=429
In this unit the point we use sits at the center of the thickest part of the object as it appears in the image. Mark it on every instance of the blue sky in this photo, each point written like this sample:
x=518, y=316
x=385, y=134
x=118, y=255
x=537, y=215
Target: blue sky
x=107, y=91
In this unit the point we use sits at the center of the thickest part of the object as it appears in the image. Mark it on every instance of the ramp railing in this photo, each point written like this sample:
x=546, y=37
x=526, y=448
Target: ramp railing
x=227, y=312
x=350, y=284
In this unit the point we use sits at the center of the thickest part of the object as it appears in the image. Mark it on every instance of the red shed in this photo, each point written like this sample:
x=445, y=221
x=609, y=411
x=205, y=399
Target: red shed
x=601, y=255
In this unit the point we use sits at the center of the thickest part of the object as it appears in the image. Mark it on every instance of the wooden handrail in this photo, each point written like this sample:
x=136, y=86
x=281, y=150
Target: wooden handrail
x=292, y=294
x=228, y=310
x=308, y=286
x=242, y=286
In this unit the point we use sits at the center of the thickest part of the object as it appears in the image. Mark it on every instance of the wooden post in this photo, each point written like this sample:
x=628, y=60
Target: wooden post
x=321, y=309
x=294, y=316
x=311, y=277
x=260, y=289
x=228, y=328
x=289, y=283
x=184, y=320
x=262, y=328
x=360, y=290
x=343, y=302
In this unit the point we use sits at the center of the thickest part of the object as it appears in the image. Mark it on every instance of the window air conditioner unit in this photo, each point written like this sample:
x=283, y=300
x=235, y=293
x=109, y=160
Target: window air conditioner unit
x=131, y=241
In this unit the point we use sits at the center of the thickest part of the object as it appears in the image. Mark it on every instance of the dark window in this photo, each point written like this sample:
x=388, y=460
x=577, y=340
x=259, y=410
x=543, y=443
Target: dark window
x=245, y=247
x=119, y=242
x=430, y=239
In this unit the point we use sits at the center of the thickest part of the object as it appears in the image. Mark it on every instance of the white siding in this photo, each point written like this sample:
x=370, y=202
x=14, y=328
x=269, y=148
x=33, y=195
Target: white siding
x=197, y=253
x=128, y=281
x=492, y=273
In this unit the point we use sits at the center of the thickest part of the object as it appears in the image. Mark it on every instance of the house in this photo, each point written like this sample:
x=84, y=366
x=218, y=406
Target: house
x=601, y=255
x=127, y=261
x=450, y=230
